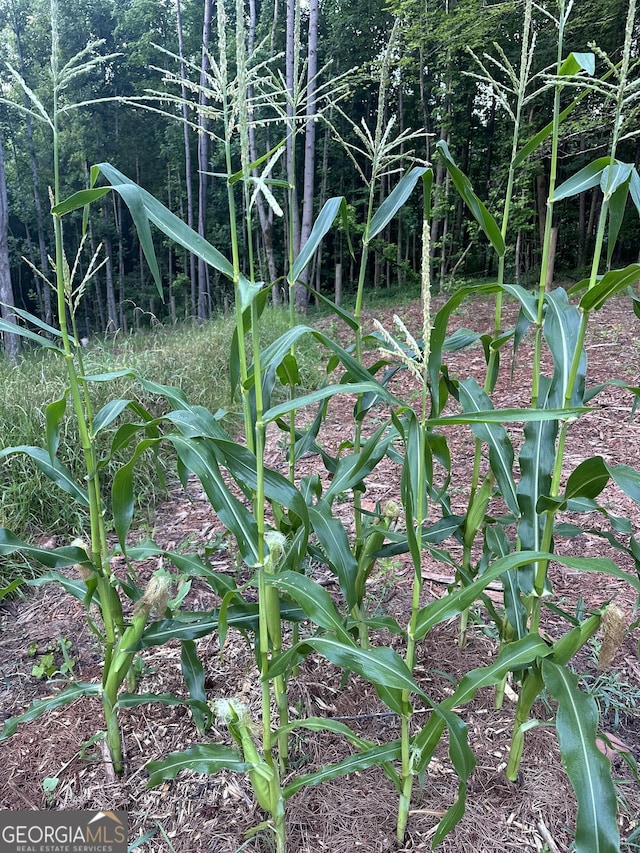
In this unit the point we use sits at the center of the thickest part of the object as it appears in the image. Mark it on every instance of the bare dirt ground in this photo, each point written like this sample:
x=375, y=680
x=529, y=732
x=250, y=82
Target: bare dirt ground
x=198, y=814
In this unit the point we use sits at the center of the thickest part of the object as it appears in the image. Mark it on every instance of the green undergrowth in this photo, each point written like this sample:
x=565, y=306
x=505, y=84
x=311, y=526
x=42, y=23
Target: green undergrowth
x=192, y=358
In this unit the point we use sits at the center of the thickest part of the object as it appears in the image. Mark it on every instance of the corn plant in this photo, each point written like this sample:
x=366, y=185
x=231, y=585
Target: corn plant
x=96, y=584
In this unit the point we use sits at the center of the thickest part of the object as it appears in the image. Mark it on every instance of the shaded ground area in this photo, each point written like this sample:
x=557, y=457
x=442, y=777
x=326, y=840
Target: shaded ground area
x=199, y=813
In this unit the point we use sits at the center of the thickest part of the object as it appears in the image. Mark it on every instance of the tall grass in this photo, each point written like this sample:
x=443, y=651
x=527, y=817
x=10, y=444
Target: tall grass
x=192, y=358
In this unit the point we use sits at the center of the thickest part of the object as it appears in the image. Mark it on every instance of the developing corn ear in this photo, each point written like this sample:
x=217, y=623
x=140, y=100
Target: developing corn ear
x=613, y=629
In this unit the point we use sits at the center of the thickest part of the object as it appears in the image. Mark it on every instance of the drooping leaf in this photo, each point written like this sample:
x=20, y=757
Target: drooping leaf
x=372, y=757
x=617, y=207
x=474, y=399
x=334, y=541
x=313, y=599
x=205, y=758
x=193, y=674
x=477, y=208
x=41, y=706
x=588, y=769
x=198, y=456
x=170, y=224
x=54, y=470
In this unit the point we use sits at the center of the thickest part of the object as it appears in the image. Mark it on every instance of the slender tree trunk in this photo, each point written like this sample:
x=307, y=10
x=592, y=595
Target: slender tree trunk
x=301, y=293
x=112, y=313
x=266, y=221
x=187, y=156
x=203, y=161
x=582, y=217
x=44, y=264
x=117, y=215
x=11, y=342
x=291, y=71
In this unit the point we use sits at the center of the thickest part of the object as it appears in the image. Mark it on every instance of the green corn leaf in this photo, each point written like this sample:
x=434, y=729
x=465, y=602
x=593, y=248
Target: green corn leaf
x=562, y=333
x=14, y=329
x=243, y=617
x=54, y=558
x=313, y=599
x=74, y=586
x=611, y=283
x=380, y=666
x=54, y=414
x=333, y=539
x=627, y=479
x=193, y=674
x=40, y=706
x=205, y=758
x=536, y=460
x=576, y=62
x=346, y=316
x=241, y=463
x=514, y=656
x=108, y=414
x=54, y=470
x=325, y=724
x=288, y=372
x=7, y=590
x=375, y=756
x=394, y=201
x=503, y=416
x=32, y=320
x=123, y=492
x=617, y=207
x=135, y=700
x=615, y=176
x=198, y=456
x=354, y=467
x=78, y=200
x=634, y=188
x=247, y=291
x=587, y=768
x=494, y=435
x=588, y=479
x=168, y=223
x=583, y=180
x=325, y=393
x=464, y=763
x=321, y=226
x=477, y=208
x=455, y=602
x=132, y=195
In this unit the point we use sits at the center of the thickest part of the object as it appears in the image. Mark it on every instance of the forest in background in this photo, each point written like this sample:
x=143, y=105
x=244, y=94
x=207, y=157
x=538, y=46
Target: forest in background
x=152, y=112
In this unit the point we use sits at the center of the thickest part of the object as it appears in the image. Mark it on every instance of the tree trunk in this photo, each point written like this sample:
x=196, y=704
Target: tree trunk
x=187, y=156
x=112, y=313
x=301, y=292
x=265, y=217
x=44, y=264
x=203, y=162
x=11, y=342
x=291, y=73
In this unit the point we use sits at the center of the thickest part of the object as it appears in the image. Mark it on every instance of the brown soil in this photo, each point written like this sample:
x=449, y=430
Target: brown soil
x=197, y=813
